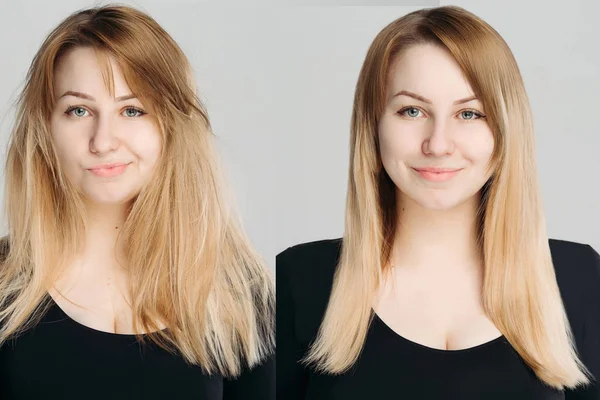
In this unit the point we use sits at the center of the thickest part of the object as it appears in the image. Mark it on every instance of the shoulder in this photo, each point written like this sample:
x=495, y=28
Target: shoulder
x=304, y=275
x=309, y=267
x=577, y=267
x=316, y=258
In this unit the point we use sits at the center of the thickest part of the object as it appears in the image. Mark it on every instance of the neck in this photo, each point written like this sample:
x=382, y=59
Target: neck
x=103, y=246
x=101, y=261
x=436, y=239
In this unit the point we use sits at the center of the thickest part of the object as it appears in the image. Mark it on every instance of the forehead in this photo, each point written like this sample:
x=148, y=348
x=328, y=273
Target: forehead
x=81, y=69
x=429, y=70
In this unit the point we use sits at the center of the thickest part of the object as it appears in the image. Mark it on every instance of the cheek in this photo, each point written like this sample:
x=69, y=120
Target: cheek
x=147, y=145
x=397, y=143
x=68, y=143
x=480, y=147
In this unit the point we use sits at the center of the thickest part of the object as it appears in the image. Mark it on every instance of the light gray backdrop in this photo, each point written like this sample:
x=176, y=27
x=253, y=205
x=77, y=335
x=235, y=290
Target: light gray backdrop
x=278, y=83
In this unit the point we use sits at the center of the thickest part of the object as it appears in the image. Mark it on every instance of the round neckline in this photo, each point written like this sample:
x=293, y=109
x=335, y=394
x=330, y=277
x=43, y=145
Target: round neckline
x=68, y=318
x=433, y=349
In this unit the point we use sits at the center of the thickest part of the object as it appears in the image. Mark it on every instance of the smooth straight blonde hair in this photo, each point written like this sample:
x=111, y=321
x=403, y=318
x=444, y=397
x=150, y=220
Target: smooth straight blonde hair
x=191, y=267
x=520, y=292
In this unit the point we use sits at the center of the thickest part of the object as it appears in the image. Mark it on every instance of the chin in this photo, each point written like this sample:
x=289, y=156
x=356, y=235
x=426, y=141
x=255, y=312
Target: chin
x=106, y=198
x=441, y=200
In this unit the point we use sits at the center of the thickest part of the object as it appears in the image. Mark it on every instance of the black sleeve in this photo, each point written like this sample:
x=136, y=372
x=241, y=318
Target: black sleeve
x=291, y=375
x=588, y=342
x=257, y=383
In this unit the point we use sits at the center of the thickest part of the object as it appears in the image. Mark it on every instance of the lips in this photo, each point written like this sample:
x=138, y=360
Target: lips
x=435, y=174
x=437, y=170
x=107, y=166
x=109, y=170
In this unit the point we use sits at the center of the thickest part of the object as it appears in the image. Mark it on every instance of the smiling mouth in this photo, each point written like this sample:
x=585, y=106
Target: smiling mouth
x=437, y=170
x=109, y=171
x=437, y=174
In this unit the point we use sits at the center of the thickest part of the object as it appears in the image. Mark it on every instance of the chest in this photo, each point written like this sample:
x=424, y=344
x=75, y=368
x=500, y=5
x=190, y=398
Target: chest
x=60, y=360
x=443, y=313
x=102, y=309
x=391, y=367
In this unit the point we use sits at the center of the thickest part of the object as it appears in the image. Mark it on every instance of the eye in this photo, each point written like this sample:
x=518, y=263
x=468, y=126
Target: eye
x=413, y=112
x=76, y=111
x=133, y=112
x=468, y=115
x=471, y=115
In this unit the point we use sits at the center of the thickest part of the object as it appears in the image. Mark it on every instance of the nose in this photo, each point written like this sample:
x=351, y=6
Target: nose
x=439, y=141
x=104, y=139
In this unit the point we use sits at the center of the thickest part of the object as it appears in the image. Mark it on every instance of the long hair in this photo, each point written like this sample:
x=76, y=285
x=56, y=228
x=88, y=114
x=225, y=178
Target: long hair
x=192, y=269
x=520, y=292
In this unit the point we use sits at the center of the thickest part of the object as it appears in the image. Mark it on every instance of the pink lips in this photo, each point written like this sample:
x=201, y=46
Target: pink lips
x=437, y=174
x=108, y=170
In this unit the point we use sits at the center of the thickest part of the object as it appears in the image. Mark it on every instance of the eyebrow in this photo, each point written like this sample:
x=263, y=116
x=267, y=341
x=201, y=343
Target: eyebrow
x=426, y=100
x=88, y=97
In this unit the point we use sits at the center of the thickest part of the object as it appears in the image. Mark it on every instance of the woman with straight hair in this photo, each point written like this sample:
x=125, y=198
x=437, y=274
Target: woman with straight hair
x=445, y=284
x=125, y=273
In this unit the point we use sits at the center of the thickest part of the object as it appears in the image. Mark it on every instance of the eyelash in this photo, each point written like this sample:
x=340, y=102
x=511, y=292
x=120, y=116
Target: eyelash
x=477, y=113
x=139, y=110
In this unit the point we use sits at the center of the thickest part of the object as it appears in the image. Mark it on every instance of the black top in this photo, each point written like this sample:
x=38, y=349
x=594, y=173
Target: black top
x=393, y=367
x=62, y=359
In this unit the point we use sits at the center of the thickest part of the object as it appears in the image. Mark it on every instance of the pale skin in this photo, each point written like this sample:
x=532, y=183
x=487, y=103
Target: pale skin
x=100, y=129
x=433, y=293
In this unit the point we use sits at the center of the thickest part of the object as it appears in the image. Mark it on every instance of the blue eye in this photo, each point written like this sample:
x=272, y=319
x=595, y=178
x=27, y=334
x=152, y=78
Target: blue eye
x=403, y=112
x=76, y=111
x=134, y=112
x=468, y=115
x=473, y=114
x=80, y=112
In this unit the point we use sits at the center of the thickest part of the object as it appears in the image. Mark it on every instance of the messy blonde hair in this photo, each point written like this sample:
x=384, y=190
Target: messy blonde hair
x=520, y=292
x=191, y=266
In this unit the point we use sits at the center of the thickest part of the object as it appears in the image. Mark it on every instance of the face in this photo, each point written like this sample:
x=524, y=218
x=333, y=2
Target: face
x=108, y=147
x=432, y=123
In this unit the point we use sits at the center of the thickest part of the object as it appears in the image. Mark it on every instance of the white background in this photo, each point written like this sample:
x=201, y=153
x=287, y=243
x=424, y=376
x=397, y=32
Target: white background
x=278, y=83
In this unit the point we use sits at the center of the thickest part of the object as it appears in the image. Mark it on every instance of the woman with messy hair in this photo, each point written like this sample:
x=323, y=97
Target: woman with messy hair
x=125, y=273
x=445, y=284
